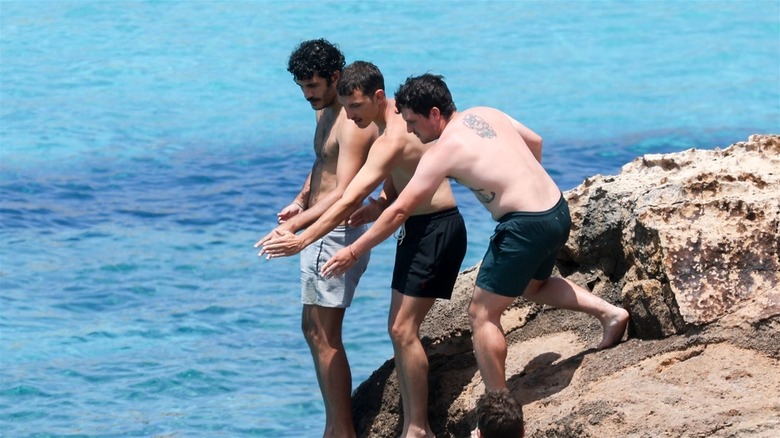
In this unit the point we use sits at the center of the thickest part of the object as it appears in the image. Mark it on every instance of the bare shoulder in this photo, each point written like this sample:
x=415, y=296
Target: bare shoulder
x=443, y=152
x=484, y=114
x=487, y=123
x=386, y=148
x=349, y=134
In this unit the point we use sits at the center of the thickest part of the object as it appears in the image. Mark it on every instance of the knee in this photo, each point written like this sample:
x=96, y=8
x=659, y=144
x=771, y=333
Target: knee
x=309, y=330
x=477, y=314
x=317, y=336
x=482, y=316
x=401, y=334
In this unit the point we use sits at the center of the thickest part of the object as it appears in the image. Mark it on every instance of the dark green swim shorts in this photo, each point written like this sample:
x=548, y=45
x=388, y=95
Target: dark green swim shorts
x=524, y=247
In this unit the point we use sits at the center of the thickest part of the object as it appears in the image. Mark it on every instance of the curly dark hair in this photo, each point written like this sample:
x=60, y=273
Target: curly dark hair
x=499, y=415
x=315, y=57
x=421, y=93
x=363, y=76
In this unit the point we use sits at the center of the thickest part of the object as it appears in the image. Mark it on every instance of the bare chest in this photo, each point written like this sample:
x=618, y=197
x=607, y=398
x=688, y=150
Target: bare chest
x=325, y=140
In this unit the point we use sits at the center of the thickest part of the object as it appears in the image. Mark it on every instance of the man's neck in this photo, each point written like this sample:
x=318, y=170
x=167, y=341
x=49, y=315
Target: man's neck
x=445, y=121
x=334, y=106
x=381, y=117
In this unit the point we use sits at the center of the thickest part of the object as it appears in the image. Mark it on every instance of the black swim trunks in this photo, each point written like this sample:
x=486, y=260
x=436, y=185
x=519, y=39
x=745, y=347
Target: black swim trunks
x=524, y=246
x=429, y=254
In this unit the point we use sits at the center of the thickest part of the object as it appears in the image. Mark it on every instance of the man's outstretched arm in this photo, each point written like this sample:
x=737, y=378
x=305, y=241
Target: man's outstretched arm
x=421, y=187
x=354, y=144
x=378, y=166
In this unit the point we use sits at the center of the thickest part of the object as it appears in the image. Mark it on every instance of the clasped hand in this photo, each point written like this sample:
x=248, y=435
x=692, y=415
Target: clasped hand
x=279, y=243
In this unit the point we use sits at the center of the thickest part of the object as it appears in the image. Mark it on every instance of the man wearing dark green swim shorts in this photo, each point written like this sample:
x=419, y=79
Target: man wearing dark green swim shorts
x=499, y=160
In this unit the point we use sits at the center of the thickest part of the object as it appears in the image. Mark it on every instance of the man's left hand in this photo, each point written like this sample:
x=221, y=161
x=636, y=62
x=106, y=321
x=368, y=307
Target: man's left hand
x=338, y=264
x=281, y=244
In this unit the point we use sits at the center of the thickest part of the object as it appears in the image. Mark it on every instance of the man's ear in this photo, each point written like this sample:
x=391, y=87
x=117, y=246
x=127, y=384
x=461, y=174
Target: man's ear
x=334, y=78
x=379, y=95
x=435, y=113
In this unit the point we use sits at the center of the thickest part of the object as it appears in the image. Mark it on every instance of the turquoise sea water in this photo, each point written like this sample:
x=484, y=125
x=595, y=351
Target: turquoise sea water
x=145, y=146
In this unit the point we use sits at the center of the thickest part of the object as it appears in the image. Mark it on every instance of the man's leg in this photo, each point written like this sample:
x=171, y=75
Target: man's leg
x=488, y=336
x=322, y=328
x=411, y=362
x=563, y=294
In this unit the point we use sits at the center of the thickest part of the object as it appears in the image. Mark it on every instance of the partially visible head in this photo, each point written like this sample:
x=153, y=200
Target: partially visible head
x=316, y=66
x=499, y=415
x=421, y=94
x=362, y=92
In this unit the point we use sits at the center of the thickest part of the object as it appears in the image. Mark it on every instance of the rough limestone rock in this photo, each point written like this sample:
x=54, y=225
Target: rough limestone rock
x=688, y=236
x=689, y=244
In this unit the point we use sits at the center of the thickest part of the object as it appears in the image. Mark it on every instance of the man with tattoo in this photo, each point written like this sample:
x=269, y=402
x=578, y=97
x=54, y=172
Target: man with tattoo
x=340, y=148
x=500, y=160
x=432, y=244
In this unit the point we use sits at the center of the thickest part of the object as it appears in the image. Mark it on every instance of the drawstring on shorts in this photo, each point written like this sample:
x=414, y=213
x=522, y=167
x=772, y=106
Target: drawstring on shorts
x=400, y=234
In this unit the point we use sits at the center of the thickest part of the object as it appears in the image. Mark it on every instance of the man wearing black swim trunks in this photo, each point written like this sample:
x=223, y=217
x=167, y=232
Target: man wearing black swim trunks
x=431, y=243
x=499, y=159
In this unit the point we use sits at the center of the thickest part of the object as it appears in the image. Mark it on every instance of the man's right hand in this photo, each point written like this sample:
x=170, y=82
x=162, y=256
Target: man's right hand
x=275, y=232
x=367, y=213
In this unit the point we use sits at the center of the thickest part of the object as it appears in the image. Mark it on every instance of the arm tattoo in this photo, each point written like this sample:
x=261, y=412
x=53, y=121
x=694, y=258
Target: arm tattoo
x=479, y=125
x=482, y=196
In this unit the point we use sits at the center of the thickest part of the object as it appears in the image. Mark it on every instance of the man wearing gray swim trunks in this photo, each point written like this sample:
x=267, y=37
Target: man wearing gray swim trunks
x=430, y=249
x=499, y=160
x=340, y=148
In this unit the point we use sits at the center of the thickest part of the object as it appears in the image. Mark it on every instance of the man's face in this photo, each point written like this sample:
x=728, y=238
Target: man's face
x=317, y=91
x=360, y=108
x=423, y=127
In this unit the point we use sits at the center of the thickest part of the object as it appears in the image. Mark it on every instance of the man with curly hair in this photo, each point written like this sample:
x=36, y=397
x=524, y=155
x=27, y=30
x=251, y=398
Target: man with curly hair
x=340, y=148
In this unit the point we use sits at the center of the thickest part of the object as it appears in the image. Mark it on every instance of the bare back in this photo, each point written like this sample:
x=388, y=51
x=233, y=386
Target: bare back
x=483, y=149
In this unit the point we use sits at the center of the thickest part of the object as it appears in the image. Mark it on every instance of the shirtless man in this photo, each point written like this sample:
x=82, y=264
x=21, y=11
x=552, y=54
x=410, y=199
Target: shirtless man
x=432, y=243
x=341, y=149
x=499, y=159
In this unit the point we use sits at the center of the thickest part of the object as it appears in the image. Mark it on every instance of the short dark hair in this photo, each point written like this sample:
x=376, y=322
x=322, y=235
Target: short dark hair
x=421, y=93
x=363, y=76
x=499, y=415
x=315, y=57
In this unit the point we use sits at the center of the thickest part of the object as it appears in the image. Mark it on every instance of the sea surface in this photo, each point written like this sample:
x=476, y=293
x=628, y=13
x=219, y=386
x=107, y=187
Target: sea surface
x=146, y=145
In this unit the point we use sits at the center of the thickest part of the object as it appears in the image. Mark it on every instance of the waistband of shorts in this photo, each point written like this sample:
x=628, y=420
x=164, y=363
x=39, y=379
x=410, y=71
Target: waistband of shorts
x=348, y=228
x=427, y=217
x=525, y=214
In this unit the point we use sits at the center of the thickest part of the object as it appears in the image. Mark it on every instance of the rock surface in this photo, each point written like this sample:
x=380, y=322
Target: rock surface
x=688, y=243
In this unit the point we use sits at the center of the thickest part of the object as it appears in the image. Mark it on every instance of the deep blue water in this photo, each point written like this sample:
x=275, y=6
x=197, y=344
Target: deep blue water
x=145, y=146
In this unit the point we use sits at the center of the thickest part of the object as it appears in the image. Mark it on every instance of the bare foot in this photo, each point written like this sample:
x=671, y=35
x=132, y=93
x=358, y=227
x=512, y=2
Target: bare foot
x=414, y=432
x=614, y=327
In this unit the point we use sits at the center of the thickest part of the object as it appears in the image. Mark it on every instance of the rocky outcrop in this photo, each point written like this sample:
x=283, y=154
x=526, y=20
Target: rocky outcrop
x=688, y=243
x=687, y=236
